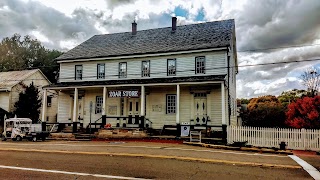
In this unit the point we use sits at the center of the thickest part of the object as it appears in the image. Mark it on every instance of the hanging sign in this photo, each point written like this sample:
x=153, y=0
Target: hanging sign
x=123, y=93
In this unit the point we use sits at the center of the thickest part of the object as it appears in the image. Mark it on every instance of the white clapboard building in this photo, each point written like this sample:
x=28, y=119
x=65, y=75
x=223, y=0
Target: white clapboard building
x=152, y=78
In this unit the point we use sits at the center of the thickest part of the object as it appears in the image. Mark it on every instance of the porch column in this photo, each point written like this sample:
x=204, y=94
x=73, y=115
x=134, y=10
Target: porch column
x=223, y=104
x=143, y=100
x=142, y=109
x=178, y=111
x=75, y=110
x=223, y=111
x=44, y=106
x=178, y=105
x=104, y=101
x=104, y=118
x=44, y=111
x=75, y=105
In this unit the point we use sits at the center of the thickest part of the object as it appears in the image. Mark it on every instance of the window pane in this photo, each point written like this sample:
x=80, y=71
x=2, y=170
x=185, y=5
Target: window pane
x=145, y=69
x=171, y=104
x=101, y=71
x=99, y=102
x=122, y=70
x=78, y=72
x=171, y=67
x=200, y=65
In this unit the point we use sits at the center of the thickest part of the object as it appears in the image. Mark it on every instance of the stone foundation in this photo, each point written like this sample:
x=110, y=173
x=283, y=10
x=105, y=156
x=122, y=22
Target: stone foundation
x=120, y=133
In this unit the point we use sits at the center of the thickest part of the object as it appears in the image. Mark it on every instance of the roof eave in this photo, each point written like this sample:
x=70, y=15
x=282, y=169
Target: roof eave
x=124, y=56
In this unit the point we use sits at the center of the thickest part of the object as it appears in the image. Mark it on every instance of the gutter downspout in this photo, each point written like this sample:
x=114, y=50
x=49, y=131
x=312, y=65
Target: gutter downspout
x=228, y=62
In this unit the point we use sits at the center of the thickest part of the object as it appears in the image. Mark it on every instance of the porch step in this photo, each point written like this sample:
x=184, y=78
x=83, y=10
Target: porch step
x=84, y=137
x=169, y=130
x=69, y=129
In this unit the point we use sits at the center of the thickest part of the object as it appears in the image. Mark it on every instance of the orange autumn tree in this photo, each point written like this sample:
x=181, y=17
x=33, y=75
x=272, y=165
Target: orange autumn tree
x=264, y=111
x=304, y=113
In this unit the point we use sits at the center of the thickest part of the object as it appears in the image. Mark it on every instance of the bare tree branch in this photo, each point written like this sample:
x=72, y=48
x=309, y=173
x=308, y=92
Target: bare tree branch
x=311, y=79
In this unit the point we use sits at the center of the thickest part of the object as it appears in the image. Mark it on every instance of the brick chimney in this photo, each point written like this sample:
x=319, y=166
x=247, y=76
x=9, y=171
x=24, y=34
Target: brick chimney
x=134, y=28
x=174, y=23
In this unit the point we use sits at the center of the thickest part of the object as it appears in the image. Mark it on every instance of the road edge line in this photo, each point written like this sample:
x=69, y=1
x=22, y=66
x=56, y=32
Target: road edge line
x=314, y=173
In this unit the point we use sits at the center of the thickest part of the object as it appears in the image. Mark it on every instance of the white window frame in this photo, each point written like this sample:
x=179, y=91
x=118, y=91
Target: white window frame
x=171, y=70
x=200, y=65
x=145, y=69
x=101, y=72
x=122, y=71
x=78, y=72
x=171, y=103
x=99, y=102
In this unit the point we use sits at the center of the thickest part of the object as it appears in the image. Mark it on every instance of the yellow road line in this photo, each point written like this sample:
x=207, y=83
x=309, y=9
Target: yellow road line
x=157, y=156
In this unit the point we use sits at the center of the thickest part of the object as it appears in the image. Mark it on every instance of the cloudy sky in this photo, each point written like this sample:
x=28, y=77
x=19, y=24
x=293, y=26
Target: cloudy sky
x=268, y=31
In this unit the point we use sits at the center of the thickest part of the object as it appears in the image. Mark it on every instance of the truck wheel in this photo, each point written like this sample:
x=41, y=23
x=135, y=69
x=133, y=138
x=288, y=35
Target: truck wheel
x=19, y=138
x=3, y=138
x=34, y=138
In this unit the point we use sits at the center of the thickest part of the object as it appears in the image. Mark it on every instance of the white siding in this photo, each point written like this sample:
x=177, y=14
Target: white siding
x=157, y=97
x=63, y=107
x=185, y=64
x=185, y=104
x=216, y=112
x=4, y=101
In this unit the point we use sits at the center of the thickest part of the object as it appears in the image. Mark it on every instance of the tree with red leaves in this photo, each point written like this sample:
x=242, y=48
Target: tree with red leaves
x=304, y=113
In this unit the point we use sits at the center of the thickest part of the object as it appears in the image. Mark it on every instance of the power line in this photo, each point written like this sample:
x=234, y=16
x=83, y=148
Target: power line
x=247, y=50
x=188, y=70
x=281, y=47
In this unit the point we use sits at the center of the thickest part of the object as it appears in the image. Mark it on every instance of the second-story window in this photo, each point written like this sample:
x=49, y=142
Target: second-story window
x=78, y=72
x=200, y=66
x=122, y=70
x=145, y=69
x=100, y=71
x=171, y=69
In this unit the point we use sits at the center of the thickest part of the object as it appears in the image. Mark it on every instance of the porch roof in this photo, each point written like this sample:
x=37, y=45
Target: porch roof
x=140, y=81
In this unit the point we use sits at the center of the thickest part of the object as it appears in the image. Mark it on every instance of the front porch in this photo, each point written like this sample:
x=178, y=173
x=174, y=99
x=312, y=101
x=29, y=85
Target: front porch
x=163, y=106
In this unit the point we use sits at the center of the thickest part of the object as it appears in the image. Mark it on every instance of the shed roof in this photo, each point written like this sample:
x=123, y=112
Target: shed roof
x=11, y=78
x=161, y=40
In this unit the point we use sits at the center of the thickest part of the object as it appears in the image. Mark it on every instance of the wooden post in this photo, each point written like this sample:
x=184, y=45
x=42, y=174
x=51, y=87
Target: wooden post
x=44, y=106
x=104, y=118
x=178, y=111
x=75, y=105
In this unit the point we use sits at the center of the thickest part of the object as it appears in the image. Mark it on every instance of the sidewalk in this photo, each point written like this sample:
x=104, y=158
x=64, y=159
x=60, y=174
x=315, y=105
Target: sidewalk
x=250, y=149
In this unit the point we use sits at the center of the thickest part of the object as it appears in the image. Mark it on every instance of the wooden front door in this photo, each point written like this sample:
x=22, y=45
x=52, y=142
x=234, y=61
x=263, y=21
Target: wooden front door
x=200, y=103
x=133, y=106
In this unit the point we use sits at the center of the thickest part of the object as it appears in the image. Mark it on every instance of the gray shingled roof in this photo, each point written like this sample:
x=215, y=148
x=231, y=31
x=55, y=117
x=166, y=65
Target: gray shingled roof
x=188, y=37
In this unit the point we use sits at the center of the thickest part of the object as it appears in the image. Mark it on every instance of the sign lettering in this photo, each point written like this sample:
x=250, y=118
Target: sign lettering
x=123, y=93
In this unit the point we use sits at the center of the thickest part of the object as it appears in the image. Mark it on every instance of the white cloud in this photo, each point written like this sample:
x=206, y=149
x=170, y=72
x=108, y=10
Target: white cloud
x=259, y=25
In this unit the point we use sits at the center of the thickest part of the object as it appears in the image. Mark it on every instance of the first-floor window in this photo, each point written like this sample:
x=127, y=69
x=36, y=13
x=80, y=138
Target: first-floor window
x=171, y=103
x=49, y=101
x=99, y=102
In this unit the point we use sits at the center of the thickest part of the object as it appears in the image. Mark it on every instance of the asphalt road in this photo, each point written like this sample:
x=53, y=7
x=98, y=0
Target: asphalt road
x=97, y=160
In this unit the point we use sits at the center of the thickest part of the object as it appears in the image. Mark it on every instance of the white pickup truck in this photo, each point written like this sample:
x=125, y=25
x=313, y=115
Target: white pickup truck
x=22, y=128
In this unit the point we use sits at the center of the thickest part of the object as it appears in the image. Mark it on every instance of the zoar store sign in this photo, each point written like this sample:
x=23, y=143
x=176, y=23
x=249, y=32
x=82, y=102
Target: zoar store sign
x=124, y=93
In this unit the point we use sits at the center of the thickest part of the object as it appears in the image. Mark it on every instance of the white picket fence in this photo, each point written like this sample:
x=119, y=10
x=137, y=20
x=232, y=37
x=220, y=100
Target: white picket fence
x=301, y=139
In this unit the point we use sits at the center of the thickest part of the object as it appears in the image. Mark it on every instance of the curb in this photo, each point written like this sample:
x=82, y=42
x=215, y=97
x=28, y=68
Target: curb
x=259, y=150
x=181, y=158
